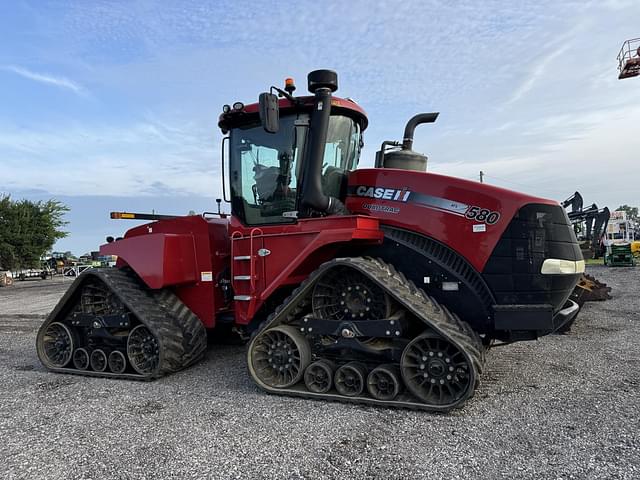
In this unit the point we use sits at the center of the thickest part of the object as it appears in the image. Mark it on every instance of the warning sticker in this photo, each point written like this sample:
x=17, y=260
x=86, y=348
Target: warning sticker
x=206, y=276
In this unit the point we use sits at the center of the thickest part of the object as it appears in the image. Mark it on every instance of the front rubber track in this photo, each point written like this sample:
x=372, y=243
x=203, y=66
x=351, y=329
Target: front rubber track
x=180, y=334
x=435, y=317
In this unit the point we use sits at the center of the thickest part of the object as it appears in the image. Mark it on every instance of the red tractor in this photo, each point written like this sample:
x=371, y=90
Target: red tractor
x=380, y=286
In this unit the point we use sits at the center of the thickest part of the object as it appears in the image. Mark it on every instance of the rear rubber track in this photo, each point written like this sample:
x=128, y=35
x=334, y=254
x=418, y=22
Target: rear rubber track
x=180, y=334
x=435, y=317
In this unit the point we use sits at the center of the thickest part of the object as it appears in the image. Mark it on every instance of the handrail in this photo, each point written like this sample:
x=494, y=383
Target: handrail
x=233, y=237
x=626, y=51
x=224, y=185
x=252, y=262
x=253, y=234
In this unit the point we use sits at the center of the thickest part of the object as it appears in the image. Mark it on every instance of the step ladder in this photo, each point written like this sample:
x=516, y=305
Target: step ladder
x=244, y=272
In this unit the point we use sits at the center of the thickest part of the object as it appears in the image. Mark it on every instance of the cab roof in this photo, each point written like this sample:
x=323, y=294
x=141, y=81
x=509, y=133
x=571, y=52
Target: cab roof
x=249, y=113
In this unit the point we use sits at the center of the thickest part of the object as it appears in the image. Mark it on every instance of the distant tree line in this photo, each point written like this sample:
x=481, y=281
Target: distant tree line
x=28, y=230
x=632, y=212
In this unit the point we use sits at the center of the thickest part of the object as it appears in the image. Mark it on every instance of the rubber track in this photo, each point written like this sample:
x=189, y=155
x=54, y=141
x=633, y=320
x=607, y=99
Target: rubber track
x=179, y=332
x=437, y=317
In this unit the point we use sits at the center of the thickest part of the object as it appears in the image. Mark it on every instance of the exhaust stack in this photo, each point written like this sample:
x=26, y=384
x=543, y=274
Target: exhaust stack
x=406, y=158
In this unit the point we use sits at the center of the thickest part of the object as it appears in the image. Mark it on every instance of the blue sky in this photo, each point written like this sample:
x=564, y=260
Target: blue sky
x=113, y=105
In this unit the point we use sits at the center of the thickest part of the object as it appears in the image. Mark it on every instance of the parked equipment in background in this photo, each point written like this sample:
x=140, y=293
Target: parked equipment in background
x=381, y=286
x=589, y=225
x=6, y=279
x=590, y=289
x=59, y=264
x=58, y=261
x=619, y=255
x=621, y=229
x=620, y=240
x=629, y=59
x=33, y=273
x=75, y=270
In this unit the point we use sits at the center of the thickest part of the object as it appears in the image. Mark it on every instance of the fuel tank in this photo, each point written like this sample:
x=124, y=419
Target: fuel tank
x=186, y=254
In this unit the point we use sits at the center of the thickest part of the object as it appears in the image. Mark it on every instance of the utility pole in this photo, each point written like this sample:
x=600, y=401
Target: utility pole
x=481, y=176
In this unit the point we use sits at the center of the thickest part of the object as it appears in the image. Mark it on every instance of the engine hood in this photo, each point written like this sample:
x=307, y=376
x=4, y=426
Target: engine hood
x=470, y=217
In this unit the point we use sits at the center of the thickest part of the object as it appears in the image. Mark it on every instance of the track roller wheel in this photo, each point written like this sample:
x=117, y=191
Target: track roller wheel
x=55, y=345
x=350, y=379
x=117, y=362
x=143, y=350
x=383, y=383
x=279, y=356
x=98, y=360
x=318, y=377
x=435, y=371
x=81, y=359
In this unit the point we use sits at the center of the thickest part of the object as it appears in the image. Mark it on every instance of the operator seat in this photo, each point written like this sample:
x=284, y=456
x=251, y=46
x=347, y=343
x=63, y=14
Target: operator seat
x=334, y=182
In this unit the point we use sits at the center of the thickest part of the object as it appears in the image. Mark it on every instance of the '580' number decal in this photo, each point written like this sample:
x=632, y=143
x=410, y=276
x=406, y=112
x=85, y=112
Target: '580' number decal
x=482, y=215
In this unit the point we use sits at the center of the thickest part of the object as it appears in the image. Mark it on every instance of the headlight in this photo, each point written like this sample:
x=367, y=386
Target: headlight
x=555, y=266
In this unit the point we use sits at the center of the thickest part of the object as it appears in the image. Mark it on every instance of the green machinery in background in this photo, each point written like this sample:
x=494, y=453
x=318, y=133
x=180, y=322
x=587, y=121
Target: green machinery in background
x=619, y=255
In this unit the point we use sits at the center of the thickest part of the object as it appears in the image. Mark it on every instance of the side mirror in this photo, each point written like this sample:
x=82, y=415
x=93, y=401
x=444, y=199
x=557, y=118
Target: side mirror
x=269, y=112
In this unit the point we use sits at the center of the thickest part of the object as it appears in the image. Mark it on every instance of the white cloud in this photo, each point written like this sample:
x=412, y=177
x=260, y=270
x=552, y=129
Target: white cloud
x=60, y=82
x=558, y=47
x=536, y=73
x=138, y=159
x=594, y=156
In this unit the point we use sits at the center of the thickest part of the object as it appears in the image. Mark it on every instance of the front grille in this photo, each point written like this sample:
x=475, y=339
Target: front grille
x=535, y=233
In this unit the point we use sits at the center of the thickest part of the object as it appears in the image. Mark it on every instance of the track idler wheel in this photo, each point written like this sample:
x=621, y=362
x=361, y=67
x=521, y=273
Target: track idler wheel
x=318, y=377
x=117, y=362
x=350, y=379
x=346, y=294
x=279, y=356
x=383, y=383
x=435, y=371
x=81, y=359
x=143, y=350
x=55, y=345
x=98, y=360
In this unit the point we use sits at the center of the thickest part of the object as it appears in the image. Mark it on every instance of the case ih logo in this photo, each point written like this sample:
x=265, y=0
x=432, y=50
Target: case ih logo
x=471, y=212
x=383, y=193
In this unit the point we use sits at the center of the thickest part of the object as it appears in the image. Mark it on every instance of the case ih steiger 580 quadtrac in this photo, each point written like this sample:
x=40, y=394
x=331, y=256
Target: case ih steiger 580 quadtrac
x=380, y=286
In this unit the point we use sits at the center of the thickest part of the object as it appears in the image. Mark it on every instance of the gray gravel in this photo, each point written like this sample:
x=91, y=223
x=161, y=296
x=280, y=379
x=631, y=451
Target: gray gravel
x=563, y=407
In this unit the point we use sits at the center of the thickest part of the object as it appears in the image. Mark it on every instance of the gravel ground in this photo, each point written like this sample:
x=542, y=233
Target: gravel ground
x=562, y=407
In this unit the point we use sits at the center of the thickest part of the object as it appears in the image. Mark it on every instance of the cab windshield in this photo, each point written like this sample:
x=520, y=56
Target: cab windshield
x=265, y=168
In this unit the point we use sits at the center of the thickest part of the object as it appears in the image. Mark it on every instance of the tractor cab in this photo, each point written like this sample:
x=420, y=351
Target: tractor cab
x=290, y=157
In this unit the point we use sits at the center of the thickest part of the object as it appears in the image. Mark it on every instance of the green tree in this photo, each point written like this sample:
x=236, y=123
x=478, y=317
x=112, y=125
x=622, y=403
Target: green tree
x=632, y=212
x=28, y=229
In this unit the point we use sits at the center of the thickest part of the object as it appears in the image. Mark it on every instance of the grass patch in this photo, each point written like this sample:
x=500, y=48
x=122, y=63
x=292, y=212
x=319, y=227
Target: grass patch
x=594, y=261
